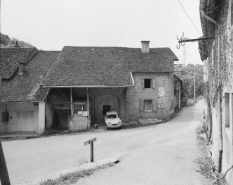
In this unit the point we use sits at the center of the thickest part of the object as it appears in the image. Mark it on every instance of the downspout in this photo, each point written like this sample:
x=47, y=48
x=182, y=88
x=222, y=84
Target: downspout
x=220, y=115
x=220, y=134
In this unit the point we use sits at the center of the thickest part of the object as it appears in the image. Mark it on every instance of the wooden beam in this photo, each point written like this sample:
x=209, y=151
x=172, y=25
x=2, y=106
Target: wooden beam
x=71, y=103
x=61, y=108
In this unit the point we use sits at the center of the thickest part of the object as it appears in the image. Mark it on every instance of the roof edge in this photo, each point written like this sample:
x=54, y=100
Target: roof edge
x=86, y=86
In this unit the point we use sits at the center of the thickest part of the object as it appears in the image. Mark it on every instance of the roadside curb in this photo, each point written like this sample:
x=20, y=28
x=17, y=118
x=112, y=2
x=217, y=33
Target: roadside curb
x=83, y=167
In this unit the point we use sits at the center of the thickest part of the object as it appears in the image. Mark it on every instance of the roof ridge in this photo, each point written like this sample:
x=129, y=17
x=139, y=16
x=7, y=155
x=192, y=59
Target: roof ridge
x=113, y=47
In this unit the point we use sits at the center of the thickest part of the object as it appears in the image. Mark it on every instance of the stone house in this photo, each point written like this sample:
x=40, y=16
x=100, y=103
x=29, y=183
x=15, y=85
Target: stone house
x=22, y=101
x=216, y=53
x=72, y=89
x=85, y=82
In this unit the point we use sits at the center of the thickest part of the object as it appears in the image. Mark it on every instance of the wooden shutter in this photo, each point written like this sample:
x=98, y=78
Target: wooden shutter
x=142, y=83
x=153, y=83
x=141, y=105
x=155, y=105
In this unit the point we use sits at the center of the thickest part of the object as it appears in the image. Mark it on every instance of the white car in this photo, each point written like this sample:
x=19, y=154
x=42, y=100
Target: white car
x=112, y=120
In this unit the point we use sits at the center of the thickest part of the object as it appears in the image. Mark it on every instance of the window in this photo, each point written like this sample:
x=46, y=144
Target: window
x=232, y=109
x=81, y=106
x=148, y=105
x=231, y=12
x=227, y=110
x=147, y=83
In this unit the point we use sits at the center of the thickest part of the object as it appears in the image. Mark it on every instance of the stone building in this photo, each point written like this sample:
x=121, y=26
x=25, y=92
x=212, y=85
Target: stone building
x=85, y=82
x=216, y=53
x=73, y=88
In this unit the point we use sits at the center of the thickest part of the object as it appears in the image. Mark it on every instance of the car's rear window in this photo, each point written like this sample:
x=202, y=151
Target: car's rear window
x=111, y=116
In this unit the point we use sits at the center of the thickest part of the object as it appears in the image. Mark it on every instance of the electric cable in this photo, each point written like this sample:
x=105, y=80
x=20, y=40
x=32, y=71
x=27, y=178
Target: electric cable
x=155, y=19
x=188, y=16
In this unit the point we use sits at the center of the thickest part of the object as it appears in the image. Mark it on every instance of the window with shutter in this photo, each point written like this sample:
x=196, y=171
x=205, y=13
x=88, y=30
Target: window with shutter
x=148, y=105
x=141, y=105
x=153, y=83
x=155, y=105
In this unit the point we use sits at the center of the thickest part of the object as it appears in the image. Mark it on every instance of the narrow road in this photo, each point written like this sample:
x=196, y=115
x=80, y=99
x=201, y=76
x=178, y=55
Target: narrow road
x=158, y=155
x=161, y=154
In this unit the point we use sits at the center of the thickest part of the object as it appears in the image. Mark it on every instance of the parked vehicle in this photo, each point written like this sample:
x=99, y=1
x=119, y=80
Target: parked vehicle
x=112, y=120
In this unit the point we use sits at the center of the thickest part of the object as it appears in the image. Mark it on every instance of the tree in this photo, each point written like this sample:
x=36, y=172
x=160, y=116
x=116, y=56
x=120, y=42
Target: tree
x=186, y=73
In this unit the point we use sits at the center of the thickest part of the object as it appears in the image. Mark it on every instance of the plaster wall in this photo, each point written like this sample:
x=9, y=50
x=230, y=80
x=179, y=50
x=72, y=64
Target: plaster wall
x=220, y=72
x=13, y=108
x=162, y=92
x=227, y=160
x=41, y=118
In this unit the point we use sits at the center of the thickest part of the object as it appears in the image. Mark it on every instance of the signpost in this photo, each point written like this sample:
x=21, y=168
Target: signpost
x=4, y=177
x=91, y=142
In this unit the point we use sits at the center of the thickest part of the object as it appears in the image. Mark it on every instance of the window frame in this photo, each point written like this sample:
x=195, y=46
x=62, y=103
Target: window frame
x=147, y=82
x=151, y=105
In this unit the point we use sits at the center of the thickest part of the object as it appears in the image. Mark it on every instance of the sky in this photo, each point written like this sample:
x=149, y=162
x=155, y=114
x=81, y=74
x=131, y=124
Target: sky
x=53, y=24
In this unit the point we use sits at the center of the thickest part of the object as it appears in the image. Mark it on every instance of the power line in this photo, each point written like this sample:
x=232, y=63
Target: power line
x=163, y=12
x=189, y=17
x=155, y=19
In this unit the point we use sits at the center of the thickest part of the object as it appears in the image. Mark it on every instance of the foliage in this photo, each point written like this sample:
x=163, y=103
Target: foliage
x=6, y=42
x=73, y=177
x=186, y=73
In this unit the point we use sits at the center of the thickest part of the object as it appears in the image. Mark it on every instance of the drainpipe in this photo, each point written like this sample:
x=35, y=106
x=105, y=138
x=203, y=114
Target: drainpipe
x=220, y=115
x=220, y=133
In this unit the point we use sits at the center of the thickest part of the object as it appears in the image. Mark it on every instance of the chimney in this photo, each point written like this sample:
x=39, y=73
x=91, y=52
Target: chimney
x=21, y=68
x=145, y=47
x=17, y=44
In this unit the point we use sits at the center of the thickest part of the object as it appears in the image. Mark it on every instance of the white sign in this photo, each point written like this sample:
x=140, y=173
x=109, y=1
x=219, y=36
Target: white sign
x=161, y=91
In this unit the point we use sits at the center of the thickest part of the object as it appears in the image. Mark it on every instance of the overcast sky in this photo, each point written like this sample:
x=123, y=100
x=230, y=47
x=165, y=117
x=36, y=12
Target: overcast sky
x=52, y=24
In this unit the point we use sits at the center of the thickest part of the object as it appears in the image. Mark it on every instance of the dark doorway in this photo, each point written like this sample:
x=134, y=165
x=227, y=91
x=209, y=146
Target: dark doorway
x=106, y=108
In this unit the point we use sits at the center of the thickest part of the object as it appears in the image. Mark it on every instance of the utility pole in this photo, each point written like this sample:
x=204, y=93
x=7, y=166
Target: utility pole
x=194, y=93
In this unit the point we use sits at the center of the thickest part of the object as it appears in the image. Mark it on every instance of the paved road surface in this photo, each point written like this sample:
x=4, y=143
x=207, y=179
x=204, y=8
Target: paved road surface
x=161, y=154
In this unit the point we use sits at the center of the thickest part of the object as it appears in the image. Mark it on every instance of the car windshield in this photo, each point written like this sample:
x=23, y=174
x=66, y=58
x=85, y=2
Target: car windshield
x=112, y=116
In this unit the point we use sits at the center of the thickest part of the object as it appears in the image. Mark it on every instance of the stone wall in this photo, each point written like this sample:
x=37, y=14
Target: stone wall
x=161, y=93
x=220, y=85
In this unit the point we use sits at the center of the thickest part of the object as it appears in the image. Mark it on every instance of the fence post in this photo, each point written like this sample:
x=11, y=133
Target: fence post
x=4, y=176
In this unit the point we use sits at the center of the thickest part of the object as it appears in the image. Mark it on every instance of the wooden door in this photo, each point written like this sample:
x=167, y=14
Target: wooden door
x=105, y=101
x=25, y=121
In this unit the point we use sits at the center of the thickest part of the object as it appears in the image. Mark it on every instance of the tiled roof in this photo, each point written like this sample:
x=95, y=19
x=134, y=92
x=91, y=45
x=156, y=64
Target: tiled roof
x=106, y=66
x=80, y=66
x=158, y=60
x=10, y=57
x=27, y=87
